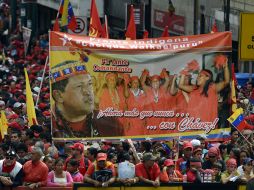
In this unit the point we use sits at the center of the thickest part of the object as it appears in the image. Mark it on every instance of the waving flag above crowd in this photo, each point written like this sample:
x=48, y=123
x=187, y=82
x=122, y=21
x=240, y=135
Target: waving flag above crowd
x=131, y=29
x=67, y=15
x=95, y=29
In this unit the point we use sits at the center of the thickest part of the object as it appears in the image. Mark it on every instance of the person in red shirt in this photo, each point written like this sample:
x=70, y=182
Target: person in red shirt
x=101, y=172
x=35, y=171
x=77, y=154
x=148, y=171
x=181, y=162
x=193, y=174
x=156, y=96
x=169, y=174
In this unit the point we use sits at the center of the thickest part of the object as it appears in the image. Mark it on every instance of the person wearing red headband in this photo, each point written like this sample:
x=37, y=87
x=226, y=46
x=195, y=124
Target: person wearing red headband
x=156, y=96
x=74, y=114
x=204, y=94
x=135, y=100
x=112, y=96
x=231, y=174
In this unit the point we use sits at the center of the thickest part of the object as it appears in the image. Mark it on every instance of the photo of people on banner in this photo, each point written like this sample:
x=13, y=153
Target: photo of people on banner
x=109, y=93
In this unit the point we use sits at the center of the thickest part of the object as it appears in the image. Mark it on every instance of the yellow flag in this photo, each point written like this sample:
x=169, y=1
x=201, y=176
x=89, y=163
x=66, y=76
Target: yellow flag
x=4, y=124
x=30, y=103
x=233, y=96
x=64, y=20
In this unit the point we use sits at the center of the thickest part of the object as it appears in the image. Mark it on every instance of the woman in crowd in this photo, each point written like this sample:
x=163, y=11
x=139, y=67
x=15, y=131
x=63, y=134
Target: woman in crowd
x=204, y=94
x=231, y=173
x=59, y=177
x=243, y=155
x=247, y=170
x=72, y=168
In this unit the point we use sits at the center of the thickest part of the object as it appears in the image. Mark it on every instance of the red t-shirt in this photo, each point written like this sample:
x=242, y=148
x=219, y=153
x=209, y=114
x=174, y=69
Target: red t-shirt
x=93, y=168
x=191, y=177
x=151, y=173
x=35, y=172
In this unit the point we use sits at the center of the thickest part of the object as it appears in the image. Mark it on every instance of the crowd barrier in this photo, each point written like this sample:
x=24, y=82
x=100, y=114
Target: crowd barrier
x=165, y=186
x=142, y=186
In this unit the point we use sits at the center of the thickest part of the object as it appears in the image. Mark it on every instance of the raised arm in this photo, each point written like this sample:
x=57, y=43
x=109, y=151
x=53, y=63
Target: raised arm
x=143, y=81
x=167, y=81
x=221, y=85
x=173, y=88
x=184, y=87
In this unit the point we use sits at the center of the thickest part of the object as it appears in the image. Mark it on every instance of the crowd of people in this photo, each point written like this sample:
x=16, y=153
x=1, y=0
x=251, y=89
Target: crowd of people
x=28, y=156
x=29, y=159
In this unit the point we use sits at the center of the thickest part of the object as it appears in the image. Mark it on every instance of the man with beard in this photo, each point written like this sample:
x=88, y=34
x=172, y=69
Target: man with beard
x=74, y=114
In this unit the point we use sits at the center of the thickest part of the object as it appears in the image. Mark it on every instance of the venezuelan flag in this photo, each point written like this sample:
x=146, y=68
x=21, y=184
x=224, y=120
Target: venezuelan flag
x=237, y=119
x=68, y=18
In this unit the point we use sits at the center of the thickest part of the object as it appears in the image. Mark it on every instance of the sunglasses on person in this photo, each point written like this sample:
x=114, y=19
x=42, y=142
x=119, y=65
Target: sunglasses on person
x=9, y=158
x=212, y=156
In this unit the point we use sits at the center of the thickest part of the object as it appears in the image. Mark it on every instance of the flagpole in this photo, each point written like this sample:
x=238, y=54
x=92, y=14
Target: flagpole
x=43, y=75
x=242, y=135
x=106, y=25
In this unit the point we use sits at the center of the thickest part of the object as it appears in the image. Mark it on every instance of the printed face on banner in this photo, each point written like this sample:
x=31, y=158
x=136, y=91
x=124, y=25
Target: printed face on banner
x=153, y=87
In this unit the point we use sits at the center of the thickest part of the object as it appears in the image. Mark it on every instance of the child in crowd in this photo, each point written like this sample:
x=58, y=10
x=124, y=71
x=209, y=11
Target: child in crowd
x=72, y=168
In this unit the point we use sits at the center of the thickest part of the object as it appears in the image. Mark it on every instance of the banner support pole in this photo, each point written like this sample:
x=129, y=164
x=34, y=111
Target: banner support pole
x=43, y=75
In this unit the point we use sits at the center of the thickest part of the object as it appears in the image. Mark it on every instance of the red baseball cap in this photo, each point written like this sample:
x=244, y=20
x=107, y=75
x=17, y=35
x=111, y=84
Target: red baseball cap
x=42, y=105
x=78, y=146
x=13, y=116
x=101, y=156
x=187, y=145
x=169, y=162
x=213, y=151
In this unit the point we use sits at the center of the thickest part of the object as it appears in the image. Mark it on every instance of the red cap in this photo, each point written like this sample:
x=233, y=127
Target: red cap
x=134, y=78
x=46, y=96
x=213, y=151
x=155, y=77
x=46, y=113
x=15, y=125
x=187, y=145
x=197, y=149
x=231, y=162
x=18, y=86
x=45, y=89
x=42, y=105
x=78, y=146
x=13, y=116
x=101, y=156
x=169, y=162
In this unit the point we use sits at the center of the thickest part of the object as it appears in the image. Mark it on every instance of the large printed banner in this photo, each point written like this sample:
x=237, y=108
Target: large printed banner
x=103, y=88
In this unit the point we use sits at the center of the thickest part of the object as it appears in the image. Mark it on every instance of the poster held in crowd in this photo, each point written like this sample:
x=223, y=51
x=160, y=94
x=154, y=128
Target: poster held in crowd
x=26, y=37
x=139, y=88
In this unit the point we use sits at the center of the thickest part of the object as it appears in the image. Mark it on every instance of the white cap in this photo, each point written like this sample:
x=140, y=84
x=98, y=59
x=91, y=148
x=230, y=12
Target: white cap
x=2, y=103
x=14, y=78
x=96, y=145
x=195, y=142
x=17, y=105
x=36, y=89
x=39, y=79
